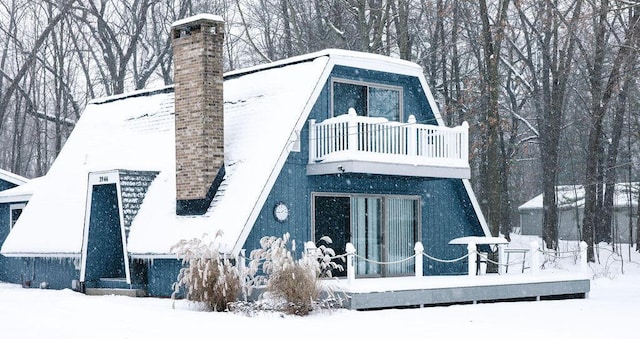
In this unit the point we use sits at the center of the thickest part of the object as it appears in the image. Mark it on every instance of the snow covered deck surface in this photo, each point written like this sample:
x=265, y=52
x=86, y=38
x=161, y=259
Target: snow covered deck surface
x=438, y=290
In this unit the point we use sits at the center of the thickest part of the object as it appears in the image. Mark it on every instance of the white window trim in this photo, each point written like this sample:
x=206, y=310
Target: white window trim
x=368, y=85
x=13, y=207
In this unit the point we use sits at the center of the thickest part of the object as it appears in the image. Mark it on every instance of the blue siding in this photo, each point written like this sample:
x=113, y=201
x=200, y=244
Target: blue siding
x=446, y=208
x=161, y=275
x=5, y=185
x=5, y=222
x=4, y=232
x=57, y=272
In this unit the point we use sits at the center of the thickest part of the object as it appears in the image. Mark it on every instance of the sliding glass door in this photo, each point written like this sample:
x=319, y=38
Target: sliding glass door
x=382, y=229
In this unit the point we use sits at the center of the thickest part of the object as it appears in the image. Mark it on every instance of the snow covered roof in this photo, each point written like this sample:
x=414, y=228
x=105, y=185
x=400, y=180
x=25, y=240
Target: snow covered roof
x=570, y=196
x=22, y=192
x=264, y=108
x=12, y=177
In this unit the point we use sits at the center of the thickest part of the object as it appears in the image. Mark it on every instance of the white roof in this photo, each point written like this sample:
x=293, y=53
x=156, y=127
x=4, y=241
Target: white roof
x=264, y=107
x=22, y=192
x=12, y=177
x=573, y=195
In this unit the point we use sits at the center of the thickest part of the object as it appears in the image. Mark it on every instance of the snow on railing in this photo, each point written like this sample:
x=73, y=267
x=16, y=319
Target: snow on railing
x=472, y=255
x=353, y=133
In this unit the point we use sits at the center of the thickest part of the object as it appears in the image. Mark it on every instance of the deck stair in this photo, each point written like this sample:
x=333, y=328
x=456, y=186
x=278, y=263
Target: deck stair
x=115, y=286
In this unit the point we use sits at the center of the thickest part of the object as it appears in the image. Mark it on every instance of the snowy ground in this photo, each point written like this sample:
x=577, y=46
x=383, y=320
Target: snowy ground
x=610, y=311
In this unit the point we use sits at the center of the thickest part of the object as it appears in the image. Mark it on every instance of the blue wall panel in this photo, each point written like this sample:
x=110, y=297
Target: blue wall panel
x=5, y=185
x=161, y=275
x=57, y=272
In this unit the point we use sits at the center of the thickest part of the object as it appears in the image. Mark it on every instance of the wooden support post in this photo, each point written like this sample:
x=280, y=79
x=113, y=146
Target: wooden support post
x=412, y=136
x=352, y=138
x=312, y=141
x=584, y=266
x=535, y=257
x=501, y=259
x=351, y=269
x=472, y=258
x=419, y=249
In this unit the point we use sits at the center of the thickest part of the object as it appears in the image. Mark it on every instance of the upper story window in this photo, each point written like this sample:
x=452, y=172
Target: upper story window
x=16, y=211
x=368, y=99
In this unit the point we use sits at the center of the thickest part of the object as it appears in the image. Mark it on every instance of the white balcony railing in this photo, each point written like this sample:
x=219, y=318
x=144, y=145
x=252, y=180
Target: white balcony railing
x=350, y=136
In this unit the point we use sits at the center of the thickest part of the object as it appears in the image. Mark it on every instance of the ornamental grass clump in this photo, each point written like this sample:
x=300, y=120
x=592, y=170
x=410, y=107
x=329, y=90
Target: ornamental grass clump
x=208, y=277
x=294, y=284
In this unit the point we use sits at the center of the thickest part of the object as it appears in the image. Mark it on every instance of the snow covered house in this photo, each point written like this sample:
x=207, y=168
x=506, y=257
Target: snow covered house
x=570, y=202
x=338, y=143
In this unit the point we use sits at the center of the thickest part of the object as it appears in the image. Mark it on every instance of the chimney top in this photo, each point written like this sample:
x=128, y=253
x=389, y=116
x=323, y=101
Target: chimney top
x=194, y=20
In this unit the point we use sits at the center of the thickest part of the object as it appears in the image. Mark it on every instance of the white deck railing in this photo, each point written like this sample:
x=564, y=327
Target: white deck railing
x=366, y=135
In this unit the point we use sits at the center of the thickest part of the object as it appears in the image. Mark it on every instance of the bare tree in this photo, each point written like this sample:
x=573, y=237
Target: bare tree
x=602, y=94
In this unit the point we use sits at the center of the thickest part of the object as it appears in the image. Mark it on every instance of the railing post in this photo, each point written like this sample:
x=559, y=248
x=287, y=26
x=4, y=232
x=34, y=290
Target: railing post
x=584, y=266
x=412, y=136
x=419, y=249
x=501, y=259
x=351, y=269
x=312, y=140
x=535, y=256
x=472, y=258
x=242, y=264
x=464, y=147
x=352, y=128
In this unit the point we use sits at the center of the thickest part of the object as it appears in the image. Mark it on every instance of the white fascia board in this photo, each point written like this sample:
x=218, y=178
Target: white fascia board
x=406, y=68
x=284, y=154
x=42, y=255
x=15, y=198
x=150, y=256
x=431, y=100
x=12, y=177
x=375, y=64
x=476, y=207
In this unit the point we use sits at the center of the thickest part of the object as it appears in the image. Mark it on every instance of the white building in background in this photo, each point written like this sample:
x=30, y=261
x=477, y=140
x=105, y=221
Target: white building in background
x=570, y=201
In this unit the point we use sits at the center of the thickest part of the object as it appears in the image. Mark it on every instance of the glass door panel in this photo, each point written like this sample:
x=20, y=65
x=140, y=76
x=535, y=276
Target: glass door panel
x=366, y=224
x=332, y=215
x=401, y=220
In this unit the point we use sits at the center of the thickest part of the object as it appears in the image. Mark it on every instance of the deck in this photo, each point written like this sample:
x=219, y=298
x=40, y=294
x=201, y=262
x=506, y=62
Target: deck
x=376, y=293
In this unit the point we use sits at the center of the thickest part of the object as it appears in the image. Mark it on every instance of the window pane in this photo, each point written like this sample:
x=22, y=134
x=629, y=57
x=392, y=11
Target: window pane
x=15, y=214
x=331, y=217
x=401, y=221
x=367, y=234
x=384, y=103
x=347, y=96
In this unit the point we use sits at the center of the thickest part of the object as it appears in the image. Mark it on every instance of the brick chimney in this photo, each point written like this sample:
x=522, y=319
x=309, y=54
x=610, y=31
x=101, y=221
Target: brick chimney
x=199, y=123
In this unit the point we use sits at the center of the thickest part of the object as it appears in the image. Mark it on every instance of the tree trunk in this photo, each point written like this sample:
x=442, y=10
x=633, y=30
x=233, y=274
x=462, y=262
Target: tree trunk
x=626, y=53
x=492, y=38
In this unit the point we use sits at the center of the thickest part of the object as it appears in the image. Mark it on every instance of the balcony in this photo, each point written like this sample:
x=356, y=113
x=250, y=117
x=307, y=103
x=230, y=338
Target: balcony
x=356, y=144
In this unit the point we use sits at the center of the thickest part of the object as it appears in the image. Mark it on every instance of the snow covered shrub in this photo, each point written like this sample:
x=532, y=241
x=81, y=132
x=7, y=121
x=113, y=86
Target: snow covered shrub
x=209, y=277
x=296, y=283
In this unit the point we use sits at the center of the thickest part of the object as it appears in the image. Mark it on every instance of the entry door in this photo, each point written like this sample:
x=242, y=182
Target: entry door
x=104, y=243
x=104, y=253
